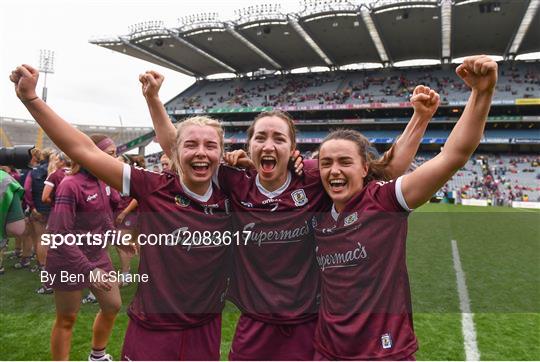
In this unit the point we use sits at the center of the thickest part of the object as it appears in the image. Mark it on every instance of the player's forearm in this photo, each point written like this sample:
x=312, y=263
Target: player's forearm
x=469, y=129
x=165, y=130
x=70, y=140
x=132, y=206
x=407, y=145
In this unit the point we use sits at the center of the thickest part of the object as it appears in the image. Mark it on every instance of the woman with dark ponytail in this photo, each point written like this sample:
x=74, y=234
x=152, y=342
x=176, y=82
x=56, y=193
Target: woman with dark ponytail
x=366, y=311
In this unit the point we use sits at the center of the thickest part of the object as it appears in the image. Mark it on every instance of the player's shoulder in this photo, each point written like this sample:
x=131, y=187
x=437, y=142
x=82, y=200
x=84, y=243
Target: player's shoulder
x=61, y=172
x=218, y=194
x=71, y=178
x=234, y=176
x=378, y=185
x=234, y=170
x=387, y=194
x=153, y=176
x=311, y=176
x=57, y=174
x=71, y=183
x=375, y=192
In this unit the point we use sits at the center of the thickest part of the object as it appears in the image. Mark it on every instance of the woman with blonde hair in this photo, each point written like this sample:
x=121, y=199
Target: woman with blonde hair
x=56, y=175
x=176, y=311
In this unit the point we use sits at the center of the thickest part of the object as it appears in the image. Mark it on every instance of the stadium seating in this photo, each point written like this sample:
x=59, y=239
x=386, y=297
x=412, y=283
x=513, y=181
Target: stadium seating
x=517, y=80
x=500, y=179
x=22, y=131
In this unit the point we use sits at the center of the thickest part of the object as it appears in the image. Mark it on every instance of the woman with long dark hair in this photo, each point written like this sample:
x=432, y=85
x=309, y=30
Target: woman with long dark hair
x=366, y=311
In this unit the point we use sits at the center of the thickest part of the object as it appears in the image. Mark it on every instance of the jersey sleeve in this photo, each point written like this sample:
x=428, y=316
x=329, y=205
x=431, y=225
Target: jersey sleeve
x=311, y=164
x=62, y=219
x=52, y=179
x=138, y=182
x=388, y=194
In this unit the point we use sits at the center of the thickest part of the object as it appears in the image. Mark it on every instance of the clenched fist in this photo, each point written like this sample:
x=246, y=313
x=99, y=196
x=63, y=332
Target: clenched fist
x=25, y=79
x=479, y=72
x=151, y=83
x=425, y=101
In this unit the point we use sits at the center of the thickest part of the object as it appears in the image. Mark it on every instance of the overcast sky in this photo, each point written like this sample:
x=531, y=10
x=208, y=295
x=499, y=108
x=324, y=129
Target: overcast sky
x=91, y=84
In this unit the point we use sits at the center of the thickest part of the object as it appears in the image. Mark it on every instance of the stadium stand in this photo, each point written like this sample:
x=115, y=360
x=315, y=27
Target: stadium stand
x=263, y=51
x=517, y=80
x=15, y=131
x=263, y=47
x=500, y=178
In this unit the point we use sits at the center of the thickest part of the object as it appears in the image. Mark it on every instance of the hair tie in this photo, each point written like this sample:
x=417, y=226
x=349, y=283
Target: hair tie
x=105, y=143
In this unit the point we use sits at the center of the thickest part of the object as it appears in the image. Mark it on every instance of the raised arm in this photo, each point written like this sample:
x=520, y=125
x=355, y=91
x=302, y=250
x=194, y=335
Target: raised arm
x=165, y=131
x=425, y=102
x=480, y=74
x=78, y=146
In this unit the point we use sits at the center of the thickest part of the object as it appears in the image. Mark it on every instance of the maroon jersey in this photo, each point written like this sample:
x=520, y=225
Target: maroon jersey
x=275, y=273
x=365, y=309
x=53, y=180
x=82, y=206
x=187, y=282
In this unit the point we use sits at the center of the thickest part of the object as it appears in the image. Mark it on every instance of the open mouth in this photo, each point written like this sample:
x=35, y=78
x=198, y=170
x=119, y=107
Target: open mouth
x=268, y=163
x=200, y=166
x=337, y=185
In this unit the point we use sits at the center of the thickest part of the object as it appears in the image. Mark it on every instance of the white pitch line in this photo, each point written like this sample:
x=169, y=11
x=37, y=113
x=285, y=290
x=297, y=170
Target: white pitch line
x=467, y=323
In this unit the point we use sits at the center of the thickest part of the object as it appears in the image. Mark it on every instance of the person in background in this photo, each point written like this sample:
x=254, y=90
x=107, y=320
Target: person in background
x=24, y=250
x=165, y=162
x=82, y=205
x=11, y=213
x=39, y=211
x=53, y=180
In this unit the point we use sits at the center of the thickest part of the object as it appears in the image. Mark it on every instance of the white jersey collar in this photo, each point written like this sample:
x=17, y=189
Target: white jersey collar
x=200, y=198
x=334, y=213
x=277, y=192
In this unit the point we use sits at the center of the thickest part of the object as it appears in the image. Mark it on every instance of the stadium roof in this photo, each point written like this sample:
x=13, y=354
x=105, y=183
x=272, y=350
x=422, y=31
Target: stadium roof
x=335, y=33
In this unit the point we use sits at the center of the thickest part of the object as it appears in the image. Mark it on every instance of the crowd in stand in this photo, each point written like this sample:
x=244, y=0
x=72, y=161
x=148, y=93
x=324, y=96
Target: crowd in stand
x=492, y=179
x=292, y=90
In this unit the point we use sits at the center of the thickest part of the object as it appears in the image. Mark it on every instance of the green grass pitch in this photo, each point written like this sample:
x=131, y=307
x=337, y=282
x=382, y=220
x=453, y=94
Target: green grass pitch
x=500, y=255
